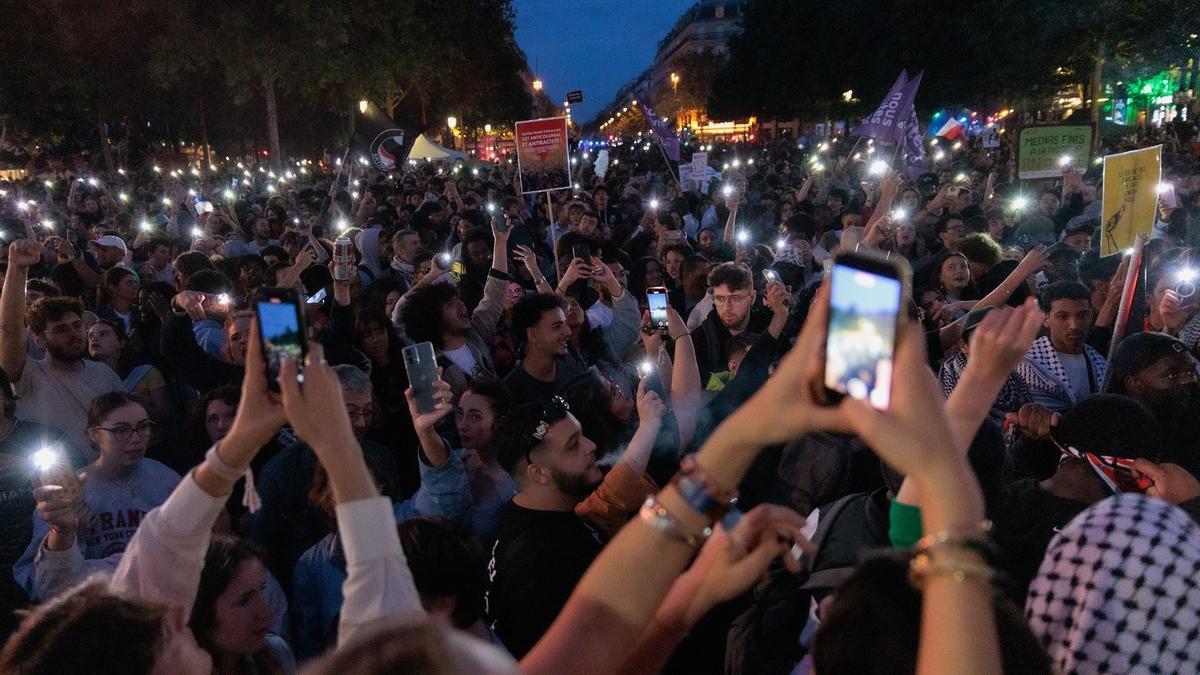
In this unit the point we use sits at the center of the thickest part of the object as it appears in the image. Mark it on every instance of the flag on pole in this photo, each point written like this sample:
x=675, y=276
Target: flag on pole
x=916, y=162
x=951, y=130
x=663, y=133
x=884, y=124
x=384, y=143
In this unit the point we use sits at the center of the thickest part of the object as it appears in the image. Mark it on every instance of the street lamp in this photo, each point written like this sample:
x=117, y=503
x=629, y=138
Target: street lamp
x=537, y=84
x=362, y=106
x=675, y=83
x=487, y=128
x=452, y=124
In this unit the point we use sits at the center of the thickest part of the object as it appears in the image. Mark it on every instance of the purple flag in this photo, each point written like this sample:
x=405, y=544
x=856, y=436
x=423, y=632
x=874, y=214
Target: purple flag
x=663, y=133
x=884, y=124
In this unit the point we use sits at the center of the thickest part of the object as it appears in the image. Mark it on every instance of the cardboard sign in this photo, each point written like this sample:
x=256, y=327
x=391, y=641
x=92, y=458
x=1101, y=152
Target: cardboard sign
x=1130, y=201
x=699, y=163
x=543, y=158
x=989, y=138
x=1041, y=149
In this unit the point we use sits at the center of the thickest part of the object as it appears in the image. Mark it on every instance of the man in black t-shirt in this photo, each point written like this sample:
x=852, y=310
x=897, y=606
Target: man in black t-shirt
x=544, y=368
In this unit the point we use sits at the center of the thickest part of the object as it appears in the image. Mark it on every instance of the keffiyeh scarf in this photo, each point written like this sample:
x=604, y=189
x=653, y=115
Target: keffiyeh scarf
x=1117, y=591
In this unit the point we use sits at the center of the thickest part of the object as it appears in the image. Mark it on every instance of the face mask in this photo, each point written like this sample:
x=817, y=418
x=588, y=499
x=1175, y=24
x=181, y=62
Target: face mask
x=1180, y=404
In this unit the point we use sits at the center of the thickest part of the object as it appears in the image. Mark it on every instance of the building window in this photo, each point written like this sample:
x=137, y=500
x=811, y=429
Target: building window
x=719, y=11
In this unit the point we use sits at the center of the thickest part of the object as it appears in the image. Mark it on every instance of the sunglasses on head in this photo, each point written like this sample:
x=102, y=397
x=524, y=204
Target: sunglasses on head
x=554, y=410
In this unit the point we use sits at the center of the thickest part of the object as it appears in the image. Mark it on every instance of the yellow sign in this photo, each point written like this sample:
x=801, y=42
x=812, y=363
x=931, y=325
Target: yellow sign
x=1130, y=197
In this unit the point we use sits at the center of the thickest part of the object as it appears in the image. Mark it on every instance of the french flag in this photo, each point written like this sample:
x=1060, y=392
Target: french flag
x=952, y=129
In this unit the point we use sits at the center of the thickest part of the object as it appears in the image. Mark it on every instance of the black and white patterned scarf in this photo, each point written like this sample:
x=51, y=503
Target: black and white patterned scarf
x=1119, y=590
x=1043, y=372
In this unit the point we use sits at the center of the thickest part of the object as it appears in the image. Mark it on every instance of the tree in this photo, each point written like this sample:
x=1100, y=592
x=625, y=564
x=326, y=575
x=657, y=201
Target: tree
x=695, y=71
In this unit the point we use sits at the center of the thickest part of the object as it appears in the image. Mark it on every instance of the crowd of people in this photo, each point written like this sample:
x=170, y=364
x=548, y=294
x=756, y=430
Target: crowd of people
x=593, y=490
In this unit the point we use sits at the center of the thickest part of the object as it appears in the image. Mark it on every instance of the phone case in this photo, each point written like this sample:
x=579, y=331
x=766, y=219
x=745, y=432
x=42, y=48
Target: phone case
x=421, y=363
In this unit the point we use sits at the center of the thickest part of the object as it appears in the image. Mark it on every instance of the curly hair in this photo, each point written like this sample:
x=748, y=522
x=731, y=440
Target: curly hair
x=422, y=313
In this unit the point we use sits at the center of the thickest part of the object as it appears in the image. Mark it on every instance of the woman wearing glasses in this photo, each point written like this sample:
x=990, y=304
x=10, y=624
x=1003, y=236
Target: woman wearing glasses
x=72, y=542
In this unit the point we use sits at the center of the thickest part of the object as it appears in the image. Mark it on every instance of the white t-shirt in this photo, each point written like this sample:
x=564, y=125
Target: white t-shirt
x=61, y=398
x=463, y=358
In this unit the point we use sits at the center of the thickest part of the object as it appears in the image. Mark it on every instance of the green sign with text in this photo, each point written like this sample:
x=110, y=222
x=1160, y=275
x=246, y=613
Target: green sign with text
x=1043, y=152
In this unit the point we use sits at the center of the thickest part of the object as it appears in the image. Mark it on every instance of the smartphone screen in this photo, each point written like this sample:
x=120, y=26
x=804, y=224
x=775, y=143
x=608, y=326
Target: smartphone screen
x=281, y=329
x=581, y=251
x=656, y=297
x=421, y=364
x=865, y=299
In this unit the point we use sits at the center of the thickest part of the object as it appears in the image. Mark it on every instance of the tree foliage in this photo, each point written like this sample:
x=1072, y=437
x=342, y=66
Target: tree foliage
x=67, y=64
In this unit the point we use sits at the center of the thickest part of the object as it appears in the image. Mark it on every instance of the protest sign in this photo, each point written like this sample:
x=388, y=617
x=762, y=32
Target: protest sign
x=1040, y=150
x=989, y=137
x=575, y=96
x=699, y=162
x=1130, y=197
x=543, y=161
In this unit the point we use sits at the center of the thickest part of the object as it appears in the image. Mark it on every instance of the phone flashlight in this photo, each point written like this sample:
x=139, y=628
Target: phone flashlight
x=654, y=204
x=878, y=167
x=197, y=233
x=44, y=459
x=93, y=182
x=1020, y=203
x=491, y=207
x=445, y=258
x=743, y=237
x=899, y=214
x=123, y=196
x=1186, y=286
x=166, y=201
x=727, y=191
x=224, y=299
x=781, y=242
x=1065, y=160
x=770, y=275
x=645, y=368
x=343, y=224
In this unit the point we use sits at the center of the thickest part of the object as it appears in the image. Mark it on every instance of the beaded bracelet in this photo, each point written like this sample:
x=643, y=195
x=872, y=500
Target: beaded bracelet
x=658, y=517
x=700, y=492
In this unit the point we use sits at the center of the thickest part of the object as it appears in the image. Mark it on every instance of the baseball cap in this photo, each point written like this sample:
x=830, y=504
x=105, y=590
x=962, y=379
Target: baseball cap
x=1140, y=351
x=1081, y=223
x=974, y=318
x=1039, y=229
x=112, y=241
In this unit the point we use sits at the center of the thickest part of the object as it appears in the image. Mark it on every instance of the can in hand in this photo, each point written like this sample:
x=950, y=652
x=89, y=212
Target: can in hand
x=343, y=259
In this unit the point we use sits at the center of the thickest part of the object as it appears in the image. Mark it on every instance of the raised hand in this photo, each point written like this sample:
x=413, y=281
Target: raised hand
x=1033, y=420
x=24, y=253
x=1001, y=340
x=442, y=394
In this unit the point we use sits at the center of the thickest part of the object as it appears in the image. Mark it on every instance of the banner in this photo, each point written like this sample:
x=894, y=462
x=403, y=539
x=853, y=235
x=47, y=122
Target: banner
x=663, y=133
x=884, y=124
x=1130, y=201
x=543, y=158
x=381, y=140
x=1040, y=150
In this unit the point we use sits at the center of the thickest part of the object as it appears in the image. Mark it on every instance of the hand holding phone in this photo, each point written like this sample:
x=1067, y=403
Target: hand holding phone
x=866, y=296
x=280, y=329
x=420, y=361
x=656, y=298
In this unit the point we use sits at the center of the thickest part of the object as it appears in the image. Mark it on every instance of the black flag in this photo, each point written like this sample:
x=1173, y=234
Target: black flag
x=381, y=140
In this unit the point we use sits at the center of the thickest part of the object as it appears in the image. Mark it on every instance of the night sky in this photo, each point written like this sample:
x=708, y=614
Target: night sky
x=593, y=45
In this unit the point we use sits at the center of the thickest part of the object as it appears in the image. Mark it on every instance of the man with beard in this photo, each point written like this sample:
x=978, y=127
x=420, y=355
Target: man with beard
x=1158, y=371
x=56, y=390
x=554, y=527
x=734, y=312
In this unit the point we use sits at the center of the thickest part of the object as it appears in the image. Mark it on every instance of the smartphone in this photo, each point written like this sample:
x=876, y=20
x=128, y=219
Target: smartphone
x=421, y=364
x=316, y=298
x=581, y=251
x=865, y=301
x=280, y=328
x=656, y=298
x=653, y=379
